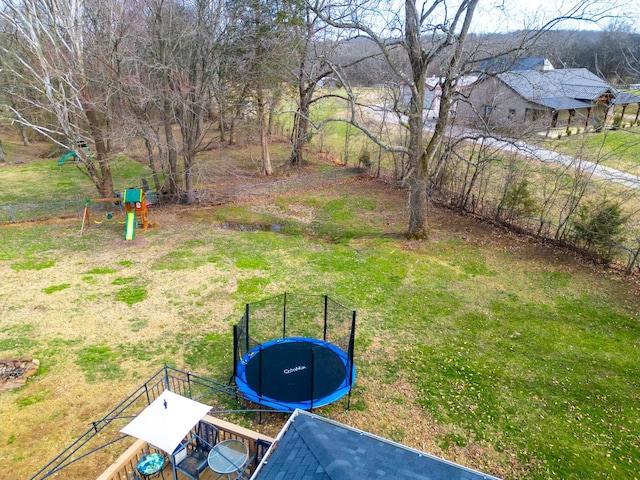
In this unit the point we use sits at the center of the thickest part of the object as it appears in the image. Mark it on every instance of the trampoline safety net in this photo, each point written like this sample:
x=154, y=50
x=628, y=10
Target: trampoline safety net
x=295, y=351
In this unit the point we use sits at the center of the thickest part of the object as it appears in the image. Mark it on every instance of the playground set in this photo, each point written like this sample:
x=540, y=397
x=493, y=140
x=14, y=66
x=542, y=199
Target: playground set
x=135, y=204
x=133, y=199
x=72, y=154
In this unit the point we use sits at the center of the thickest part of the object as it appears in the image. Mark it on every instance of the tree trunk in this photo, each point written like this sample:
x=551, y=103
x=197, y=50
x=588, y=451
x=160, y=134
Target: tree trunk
x=152, y=163
x=191, y=130
x=172, y=154
x=300, y=129
x=633, y=261
x=2, y=153
x=188, y=179
x=417, y=161
x=102, y=180
x=419, y=157
x=221, y=121
x=417, y=208
x=21, y=129
x=267, y=169
x=109, y=142
x=23, y=134
x=307, y=81
x=272, y=113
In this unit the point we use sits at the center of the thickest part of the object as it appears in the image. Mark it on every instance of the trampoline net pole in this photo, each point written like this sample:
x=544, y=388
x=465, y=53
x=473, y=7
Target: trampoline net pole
x=246, y=328
x=260, y=372
x=313, y=377
x=326, y=313
x=284, y=316
x=352, y=339
x=235, y=352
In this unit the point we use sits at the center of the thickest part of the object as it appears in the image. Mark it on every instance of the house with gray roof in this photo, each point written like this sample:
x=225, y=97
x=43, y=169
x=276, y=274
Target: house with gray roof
x=542, y=99
x=311, y=447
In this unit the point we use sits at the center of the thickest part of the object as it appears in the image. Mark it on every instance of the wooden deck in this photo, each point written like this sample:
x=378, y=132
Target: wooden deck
x=124, y=467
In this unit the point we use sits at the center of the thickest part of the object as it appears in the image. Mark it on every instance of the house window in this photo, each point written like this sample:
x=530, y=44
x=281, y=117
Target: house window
x=487, y=112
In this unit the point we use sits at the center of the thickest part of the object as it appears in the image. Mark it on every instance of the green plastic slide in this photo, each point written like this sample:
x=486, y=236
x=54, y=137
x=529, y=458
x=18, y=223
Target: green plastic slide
x=65, y=158
x=129, y=232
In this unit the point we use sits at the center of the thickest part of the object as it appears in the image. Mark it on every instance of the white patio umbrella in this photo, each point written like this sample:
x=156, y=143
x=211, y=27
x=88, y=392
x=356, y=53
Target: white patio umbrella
x=167, y=420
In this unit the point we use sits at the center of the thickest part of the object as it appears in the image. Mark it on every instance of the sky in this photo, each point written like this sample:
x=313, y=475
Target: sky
x=510, y=15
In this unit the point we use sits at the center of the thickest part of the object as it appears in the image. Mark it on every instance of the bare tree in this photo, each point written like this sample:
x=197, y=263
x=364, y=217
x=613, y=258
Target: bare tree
x=192, y=82
x=169, y=80
x=55, y=75
x=265, y=36
x=447, y=35
x=417, y=39
x=312, y=68
x=152, y=67
x=316, y=53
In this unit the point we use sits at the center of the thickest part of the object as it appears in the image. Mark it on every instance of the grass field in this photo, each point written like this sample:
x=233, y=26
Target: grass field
x=32, y=175
x=501, y=354
x=619, y=149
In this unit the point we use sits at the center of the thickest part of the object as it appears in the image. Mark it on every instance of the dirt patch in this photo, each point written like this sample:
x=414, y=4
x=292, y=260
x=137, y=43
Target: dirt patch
x=15, y=371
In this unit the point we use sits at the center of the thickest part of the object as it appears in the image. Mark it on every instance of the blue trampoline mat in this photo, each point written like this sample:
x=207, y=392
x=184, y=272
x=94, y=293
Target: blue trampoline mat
x=296, y=372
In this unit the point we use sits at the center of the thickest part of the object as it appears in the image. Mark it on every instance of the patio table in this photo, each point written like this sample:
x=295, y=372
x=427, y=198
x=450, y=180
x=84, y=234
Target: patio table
x=228, y=457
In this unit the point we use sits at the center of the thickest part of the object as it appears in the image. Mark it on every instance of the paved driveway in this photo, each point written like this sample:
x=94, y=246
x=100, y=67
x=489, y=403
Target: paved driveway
x=528, y=150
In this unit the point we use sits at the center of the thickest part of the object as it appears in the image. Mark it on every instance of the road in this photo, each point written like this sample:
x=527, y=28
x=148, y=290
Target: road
x=531, y=151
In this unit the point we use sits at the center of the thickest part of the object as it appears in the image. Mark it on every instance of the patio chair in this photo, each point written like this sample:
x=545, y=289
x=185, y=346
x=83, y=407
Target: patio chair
x=190, y=458
x=261, y=449
x=207, y=432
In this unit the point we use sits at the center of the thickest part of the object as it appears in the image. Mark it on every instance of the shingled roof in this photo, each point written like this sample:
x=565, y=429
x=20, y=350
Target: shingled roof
x=626, y=99
x=563, y=89
x=511, y=64
x=558, y=89
x=311, y=447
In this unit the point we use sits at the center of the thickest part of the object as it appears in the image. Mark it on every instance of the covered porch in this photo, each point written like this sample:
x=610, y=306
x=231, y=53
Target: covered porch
x=124, y=468
x=105, y=453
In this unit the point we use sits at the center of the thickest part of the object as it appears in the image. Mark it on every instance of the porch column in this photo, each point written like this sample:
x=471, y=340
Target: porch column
x=586, y=122
x=624, y=108
x=571, y=114
x=606, y=114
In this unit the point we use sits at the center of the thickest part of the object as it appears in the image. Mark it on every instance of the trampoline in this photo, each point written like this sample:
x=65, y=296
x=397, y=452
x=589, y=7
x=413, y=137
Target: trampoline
x=293, y=372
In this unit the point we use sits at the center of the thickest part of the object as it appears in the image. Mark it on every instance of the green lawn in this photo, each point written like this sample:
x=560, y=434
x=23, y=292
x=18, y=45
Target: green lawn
x=44, y=181
x=619, y=149
x=344, y=141
x=502, y=354
x=511, y=350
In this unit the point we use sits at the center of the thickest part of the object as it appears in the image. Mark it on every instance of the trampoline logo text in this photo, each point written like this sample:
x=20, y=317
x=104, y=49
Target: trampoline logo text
x=287, y=371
